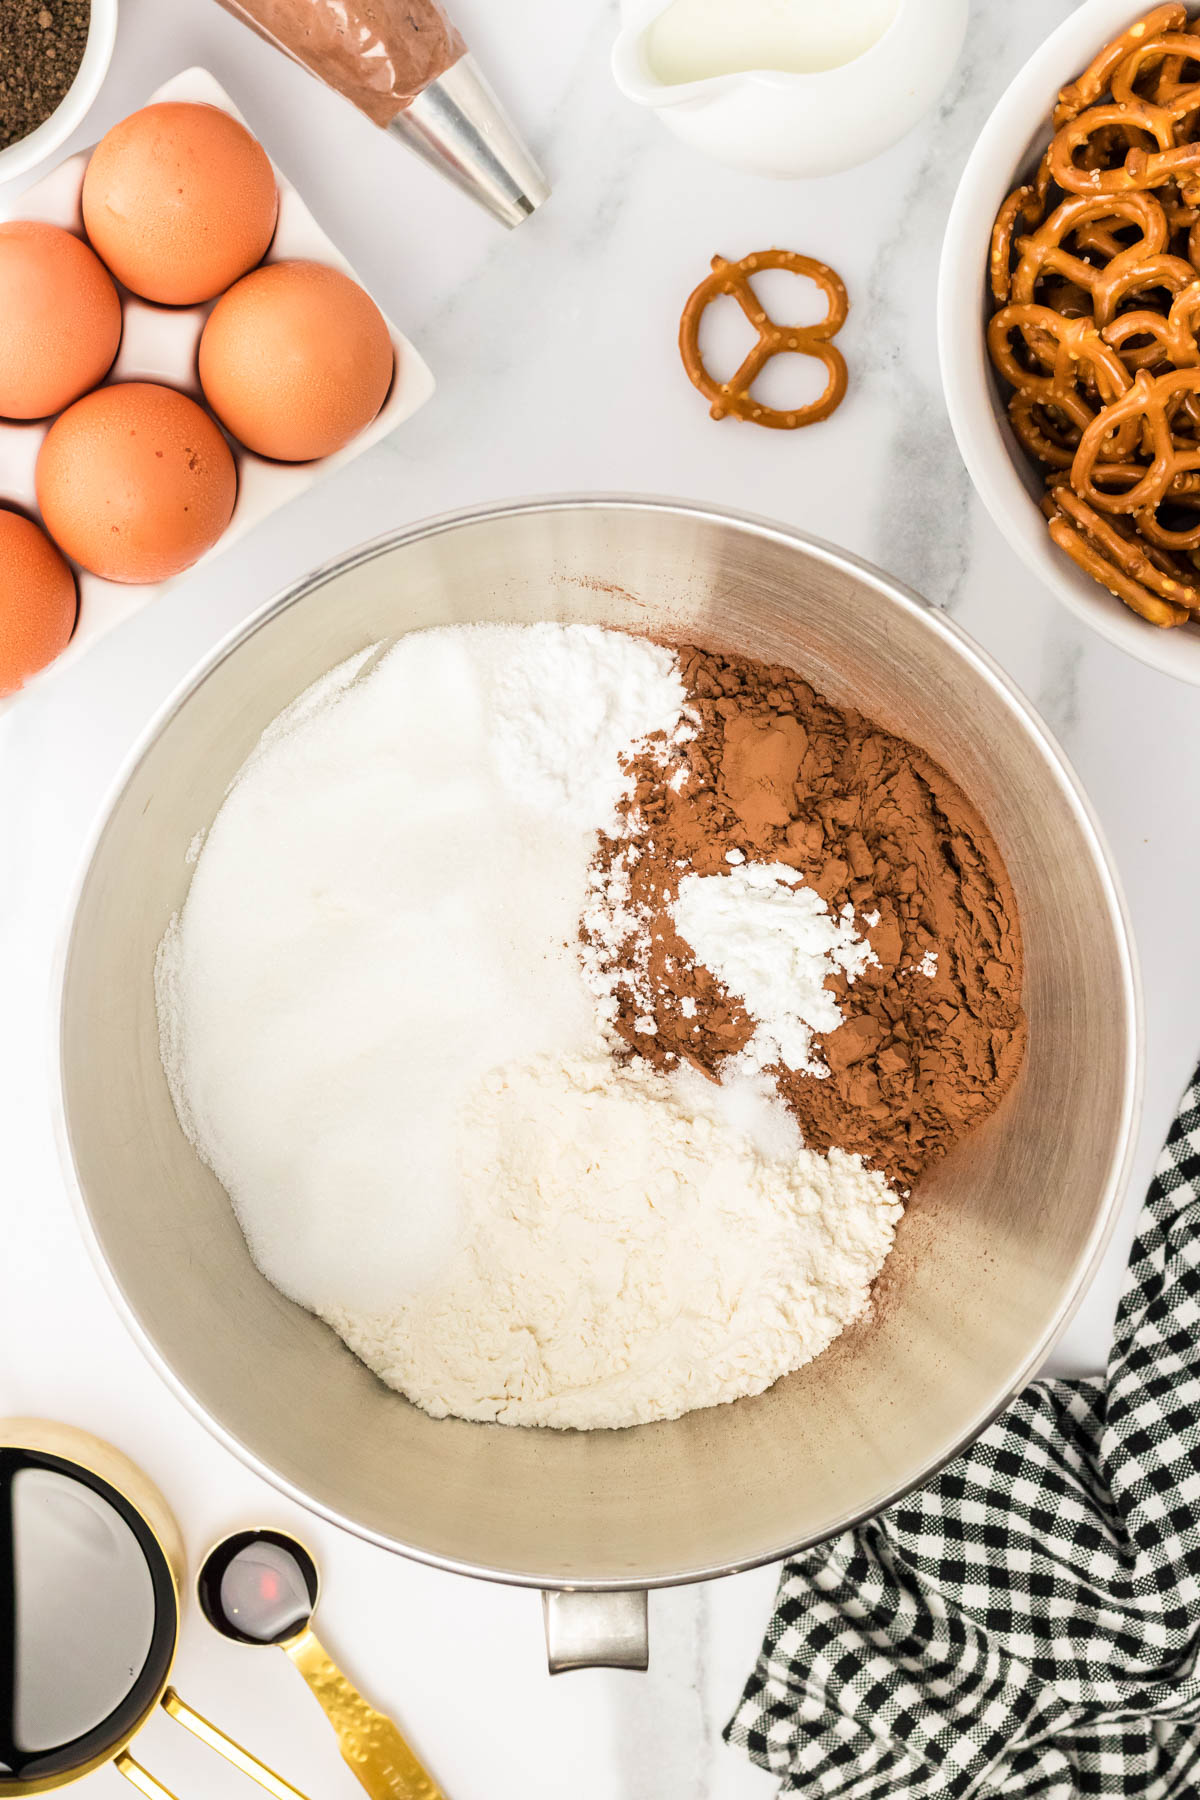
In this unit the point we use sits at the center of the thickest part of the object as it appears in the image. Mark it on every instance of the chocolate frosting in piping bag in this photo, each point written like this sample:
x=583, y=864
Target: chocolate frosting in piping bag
x=379, y=53
x=403, y=64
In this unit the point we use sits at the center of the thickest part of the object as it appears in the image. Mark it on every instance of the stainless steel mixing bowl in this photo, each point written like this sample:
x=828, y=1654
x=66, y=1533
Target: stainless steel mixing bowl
x=996, y=1247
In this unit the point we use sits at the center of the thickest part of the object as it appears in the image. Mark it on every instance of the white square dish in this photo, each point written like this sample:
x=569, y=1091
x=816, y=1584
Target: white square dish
x=159, y=343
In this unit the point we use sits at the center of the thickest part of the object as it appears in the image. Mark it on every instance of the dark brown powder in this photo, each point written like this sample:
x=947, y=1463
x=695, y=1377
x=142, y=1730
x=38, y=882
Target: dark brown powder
x=870, y=821
x=41, y=47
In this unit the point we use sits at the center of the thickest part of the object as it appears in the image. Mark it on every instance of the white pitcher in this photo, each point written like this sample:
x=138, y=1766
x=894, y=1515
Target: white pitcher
x=775, y=122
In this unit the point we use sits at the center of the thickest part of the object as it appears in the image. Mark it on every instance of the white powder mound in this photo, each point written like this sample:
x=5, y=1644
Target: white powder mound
x=744, y=1101
x=628, y=1256
x=385, y=909
x=568, y=705
x=772, y=941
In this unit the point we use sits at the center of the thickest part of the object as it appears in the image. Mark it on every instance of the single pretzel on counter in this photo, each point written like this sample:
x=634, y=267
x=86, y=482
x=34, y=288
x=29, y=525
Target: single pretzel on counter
x=733, y=397
x=1094, y=271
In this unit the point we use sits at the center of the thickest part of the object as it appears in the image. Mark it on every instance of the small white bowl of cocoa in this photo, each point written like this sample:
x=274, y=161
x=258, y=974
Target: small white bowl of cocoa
x=54, y=55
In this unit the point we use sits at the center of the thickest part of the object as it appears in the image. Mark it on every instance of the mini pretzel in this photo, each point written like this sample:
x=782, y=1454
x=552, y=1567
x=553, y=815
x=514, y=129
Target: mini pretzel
x=733, y=397
x=1043, y=252
x=1173, y=334
x=1124, y=568
x=1021, y=206
x=1066, y=347
x=1142, y=168
x=1141, y=340
x=1172, y=50
x=1157, y=540
x=1146, y=401
x=1028, y=205
x=1097, y=76
x=1121, y=477
x=1127, y=277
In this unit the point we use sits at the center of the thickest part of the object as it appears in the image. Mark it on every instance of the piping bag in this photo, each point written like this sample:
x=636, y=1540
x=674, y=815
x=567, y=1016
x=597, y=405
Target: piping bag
x=404, y=64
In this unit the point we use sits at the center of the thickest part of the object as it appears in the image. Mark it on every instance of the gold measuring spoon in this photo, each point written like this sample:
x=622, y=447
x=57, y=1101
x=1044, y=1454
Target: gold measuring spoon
x=261, y=1587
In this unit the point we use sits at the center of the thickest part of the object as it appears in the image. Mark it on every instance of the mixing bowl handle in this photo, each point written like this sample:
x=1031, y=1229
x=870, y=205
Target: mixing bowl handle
x=596, y=1631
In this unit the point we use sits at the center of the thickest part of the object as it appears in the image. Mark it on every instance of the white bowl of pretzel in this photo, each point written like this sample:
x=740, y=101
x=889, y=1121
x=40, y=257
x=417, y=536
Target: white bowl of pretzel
x=1068, y=313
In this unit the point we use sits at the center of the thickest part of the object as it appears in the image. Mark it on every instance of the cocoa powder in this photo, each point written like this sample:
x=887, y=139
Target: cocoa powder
x=779, y=774
x=41, y=48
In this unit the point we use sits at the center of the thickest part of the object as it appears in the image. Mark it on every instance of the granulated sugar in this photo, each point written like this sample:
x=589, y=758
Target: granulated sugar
x=385, y=909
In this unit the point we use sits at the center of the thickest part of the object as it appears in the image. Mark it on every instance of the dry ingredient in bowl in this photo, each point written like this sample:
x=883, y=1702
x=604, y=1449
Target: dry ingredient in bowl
x=41, y=48
x=929, y=1032
x=774, y=942
x=384, y=911
x=628, y=1255
x=535, y=990
x=378, y=1033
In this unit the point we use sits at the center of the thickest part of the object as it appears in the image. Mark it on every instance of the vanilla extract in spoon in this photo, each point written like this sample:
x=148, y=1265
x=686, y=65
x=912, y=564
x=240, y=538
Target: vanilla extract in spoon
x=258, y=1587
x=261, y=1587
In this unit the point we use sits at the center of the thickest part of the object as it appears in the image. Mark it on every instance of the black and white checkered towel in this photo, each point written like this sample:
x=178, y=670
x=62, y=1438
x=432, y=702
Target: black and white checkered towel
x=1029, y=1624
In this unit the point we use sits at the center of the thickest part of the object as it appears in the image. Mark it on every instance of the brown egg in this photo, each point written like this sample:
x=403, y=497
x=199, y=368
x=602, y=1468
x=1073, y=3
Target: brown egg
x=37, y=601
x=135, y=482
x=295, y=360
x=179, y=200
x=60, y=319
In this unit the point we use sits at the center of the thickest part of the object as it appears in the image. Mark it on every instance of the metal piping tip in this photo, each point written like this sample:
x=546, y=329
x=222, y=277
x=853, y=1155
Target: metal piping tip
x=459, y=126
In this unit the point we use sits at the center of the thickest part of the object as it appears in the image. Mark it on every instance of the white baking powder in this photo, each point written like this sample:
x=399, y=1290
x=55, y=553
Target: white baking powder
x=377, y=1032
x=773, y=942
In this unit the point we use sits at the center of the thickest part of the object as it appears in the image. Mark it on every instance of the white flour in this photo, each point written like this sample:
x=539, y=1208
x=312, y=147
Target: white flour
x=626, y=1257
x=376, y=1030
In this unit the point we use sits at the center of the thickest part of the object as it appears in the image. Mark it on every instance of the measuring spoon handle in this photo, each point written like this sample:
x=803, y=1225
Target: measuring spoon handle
x=373, y=1747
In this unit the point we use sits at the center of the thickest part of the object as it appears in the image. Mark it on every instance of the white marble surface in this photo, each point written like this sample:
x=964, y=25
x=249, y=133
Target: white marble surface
x=554, y=352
